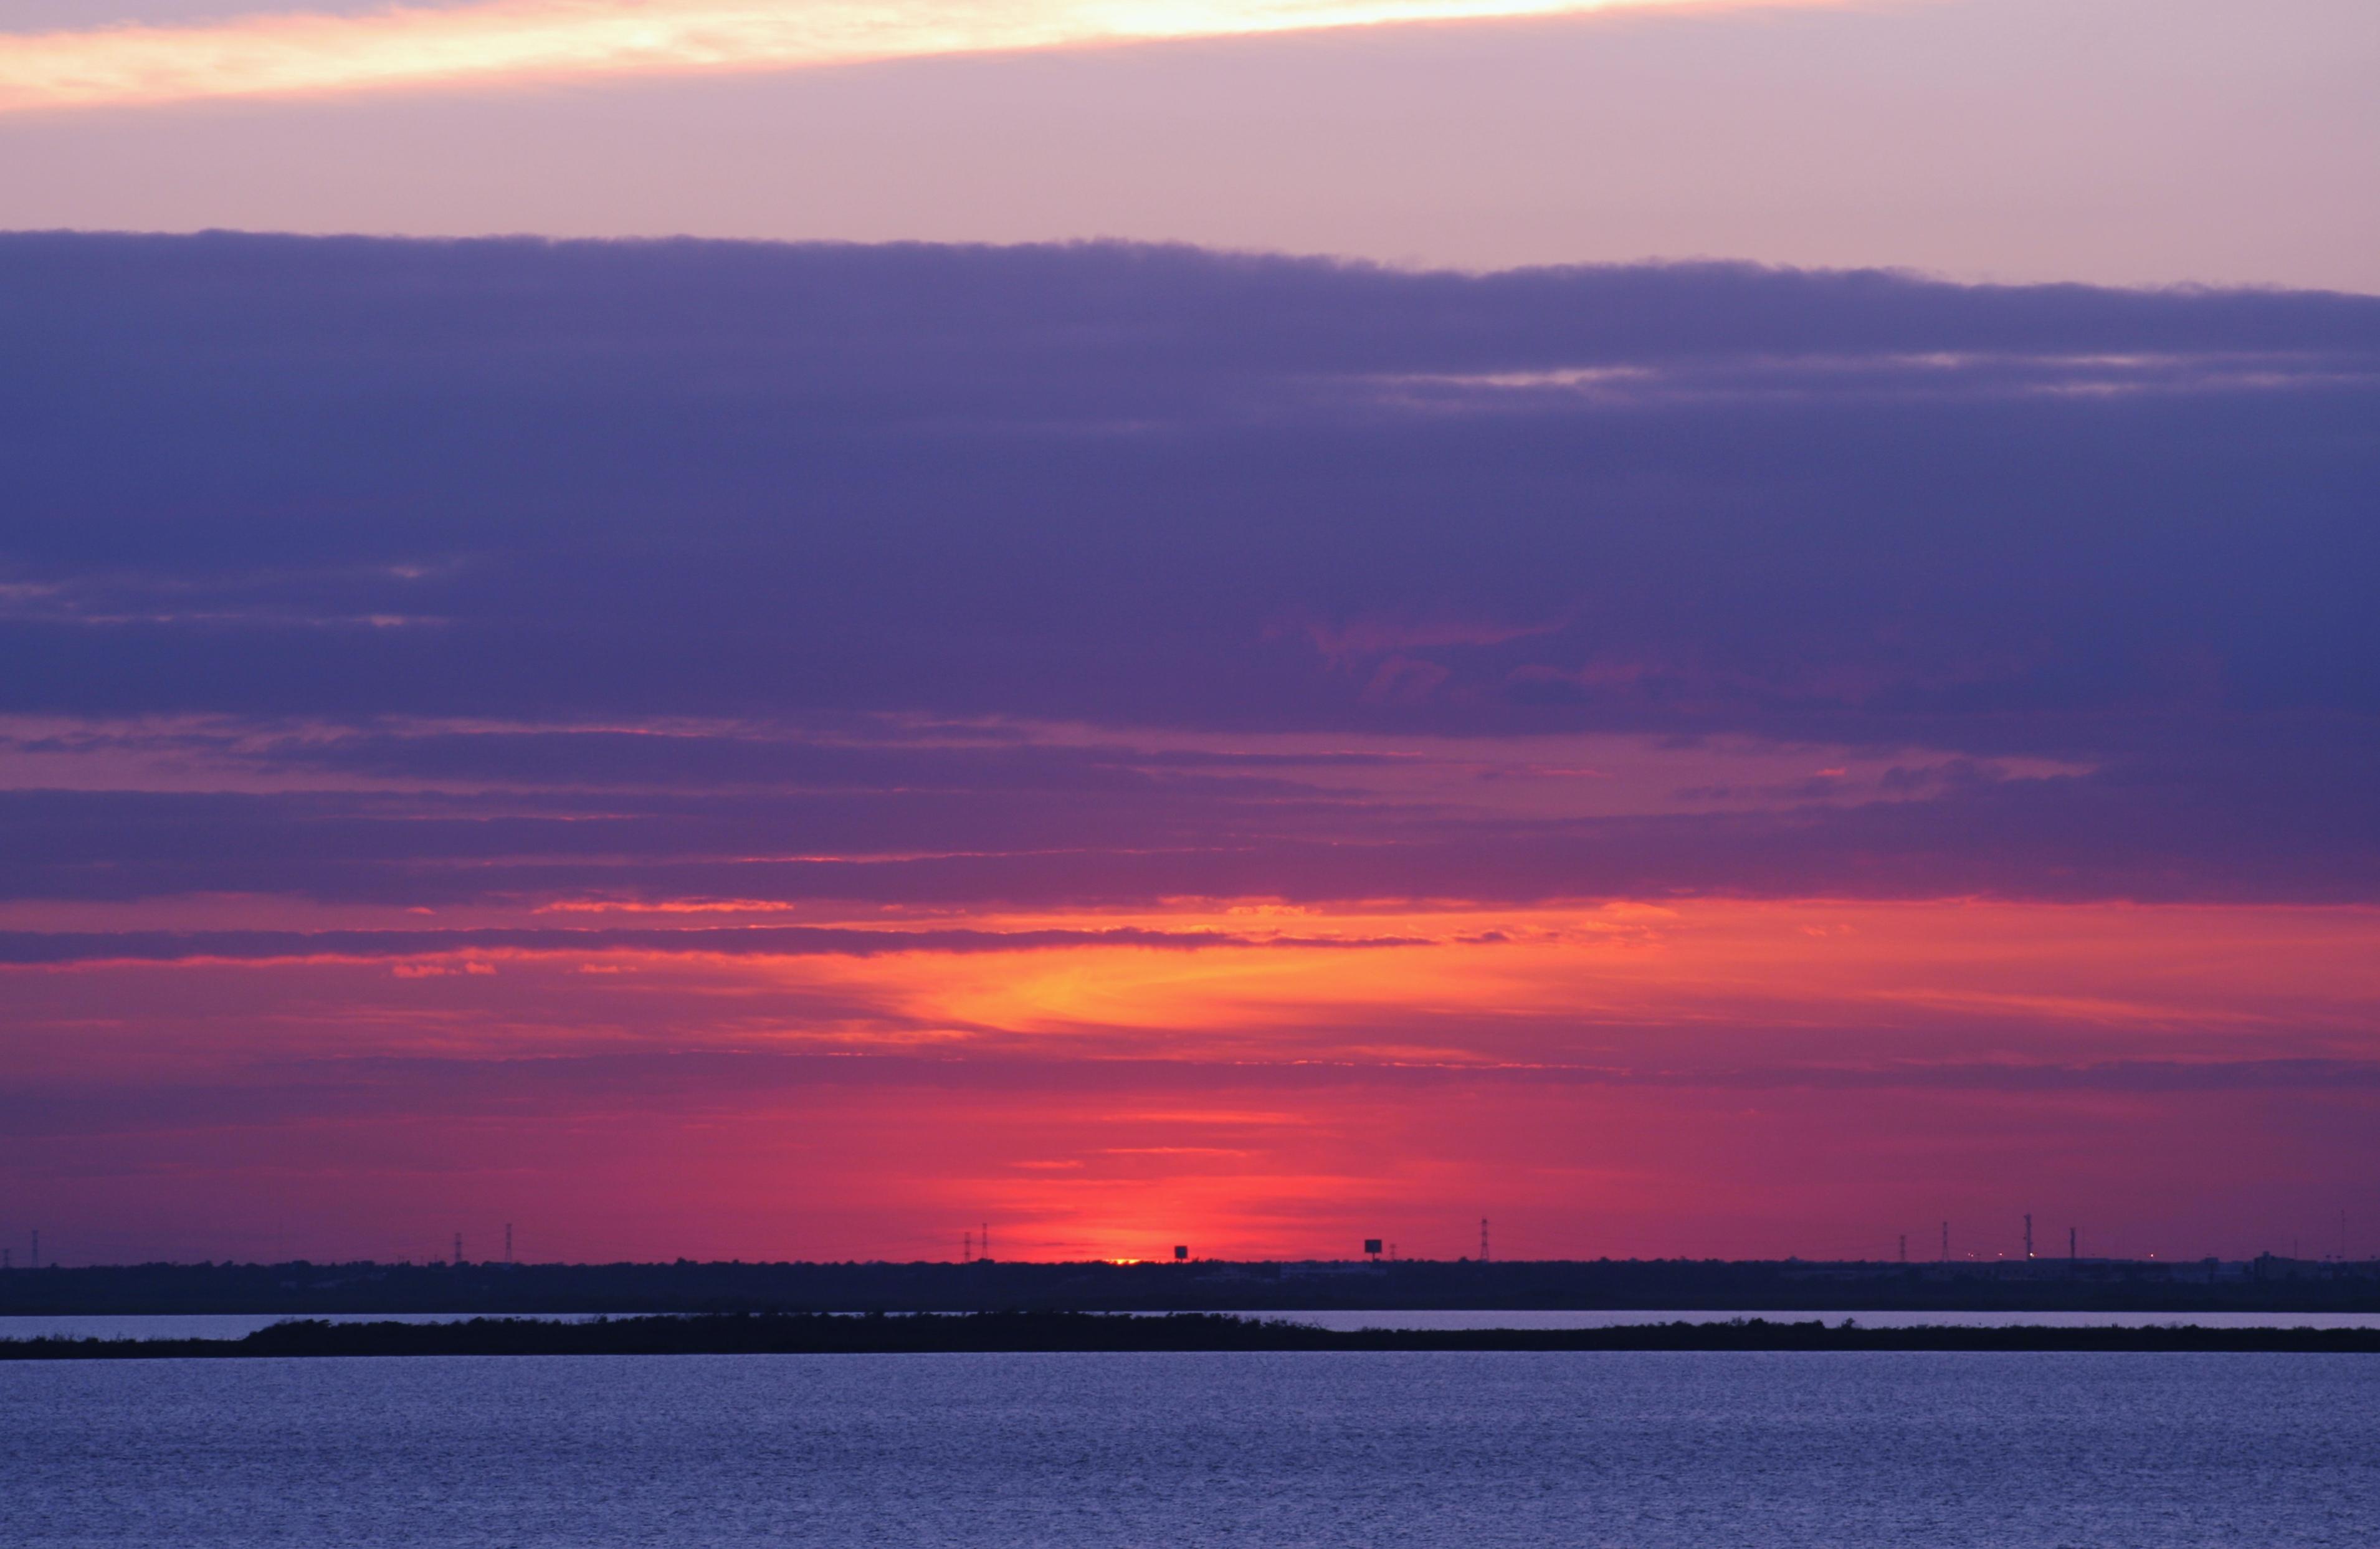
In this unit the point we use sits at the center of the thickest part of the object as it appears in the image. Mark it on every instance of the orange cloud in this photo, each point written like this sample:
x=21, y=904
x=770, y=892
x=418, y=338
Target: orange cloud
x=1684, y=1076
x=1685, y=986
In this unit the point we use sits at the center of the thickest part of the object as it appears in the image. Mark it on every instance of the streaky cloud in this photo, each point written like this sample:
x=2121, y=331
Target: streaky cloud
x=301, y=54
x=59, y=948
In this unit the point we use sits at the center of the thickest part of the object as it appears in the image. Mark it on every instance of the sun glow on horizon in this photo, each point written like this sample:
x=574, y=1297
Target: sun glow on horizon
x=1596, y=1073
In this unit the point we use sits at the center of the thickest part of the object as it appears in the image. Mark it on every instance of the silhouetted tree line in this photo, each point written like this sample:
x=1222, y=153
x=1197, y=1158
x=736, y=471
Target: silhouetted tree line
x=823, y=1334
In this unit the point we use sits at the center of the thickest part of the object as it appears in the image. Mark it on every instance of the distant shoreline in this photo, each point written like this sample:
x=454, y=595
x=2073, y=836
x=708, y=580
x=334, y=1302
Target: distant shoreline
x=1054, y=1333
x=1712, y=1288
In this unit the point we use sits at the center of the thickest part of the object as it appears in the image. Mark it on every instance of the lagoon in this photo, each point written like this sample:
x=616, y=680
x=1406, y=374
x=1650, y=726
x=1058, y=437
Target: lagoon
x=1645, y=1450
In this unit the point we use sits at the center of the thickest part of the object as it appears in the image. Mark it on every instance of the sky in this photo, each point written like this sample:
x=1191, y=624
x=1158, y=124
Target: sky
x=1700, y=630
x=2111, y=142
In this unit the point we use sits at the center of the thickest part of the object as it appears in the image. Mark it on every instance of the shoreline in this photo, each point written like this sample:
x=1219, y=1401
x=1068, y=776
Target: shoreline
x=1789, y=1290
x=1095, y=1333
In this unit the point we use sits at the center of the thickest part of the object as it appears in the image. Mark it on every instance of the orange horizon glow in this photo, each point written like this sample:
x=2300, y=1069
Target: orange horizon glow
x=1637, y=1079
x=1221, y=969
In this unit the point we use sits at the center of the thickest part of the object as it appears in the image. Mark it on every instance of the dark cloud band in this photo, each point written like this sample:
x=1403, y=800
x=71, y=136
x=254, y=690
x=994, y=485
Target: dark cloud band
x=584, y=493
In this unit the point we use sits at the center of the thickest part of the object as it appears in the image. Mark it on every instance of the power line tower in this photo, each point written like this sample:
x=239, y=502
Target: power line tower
x=1483, y=1240
x=508, y=1244
x=2028, y=1234
x=459, y=1251
x=2072, y=1252
x=1946, y=1242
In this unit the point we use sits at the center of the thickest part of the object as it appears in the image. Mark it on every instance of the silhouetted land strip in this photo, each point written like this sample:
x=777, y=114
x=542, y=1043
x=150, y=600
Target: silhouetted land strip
x=818, y=1334
x=2263, y=1285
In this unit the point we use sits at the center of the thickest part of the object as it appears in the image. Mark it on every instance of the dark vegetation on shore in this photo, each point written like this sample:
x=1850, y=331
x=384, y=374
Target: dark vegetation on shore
x=2265, y=1284
x=818, y=1334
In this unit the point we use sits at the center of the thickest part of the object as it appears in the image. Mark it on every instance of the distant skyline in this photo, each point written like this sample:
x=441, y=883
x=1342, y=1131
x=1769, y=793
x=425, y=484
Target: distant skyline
x=2341, y=1249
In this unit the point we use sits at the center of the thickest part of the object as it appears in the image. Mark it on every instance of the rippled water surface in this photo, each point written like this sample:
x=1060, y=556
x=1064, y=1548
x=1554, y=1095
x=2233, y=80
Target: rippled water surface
x=234, y=1325
x=1642, y=1450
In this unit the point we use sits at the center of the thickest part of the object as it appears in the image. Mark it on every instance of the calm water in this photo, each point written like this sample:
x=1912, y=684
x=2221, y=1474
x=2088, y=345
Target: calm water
x=234, y=1325
x=1865, y=1320
x=1633, y=1451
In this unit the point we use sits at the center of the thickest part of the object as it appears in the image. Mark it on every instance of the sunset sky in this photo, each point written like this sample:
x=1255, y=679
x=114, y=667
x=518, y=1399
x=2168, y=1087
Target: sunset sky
x=1249, y=623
